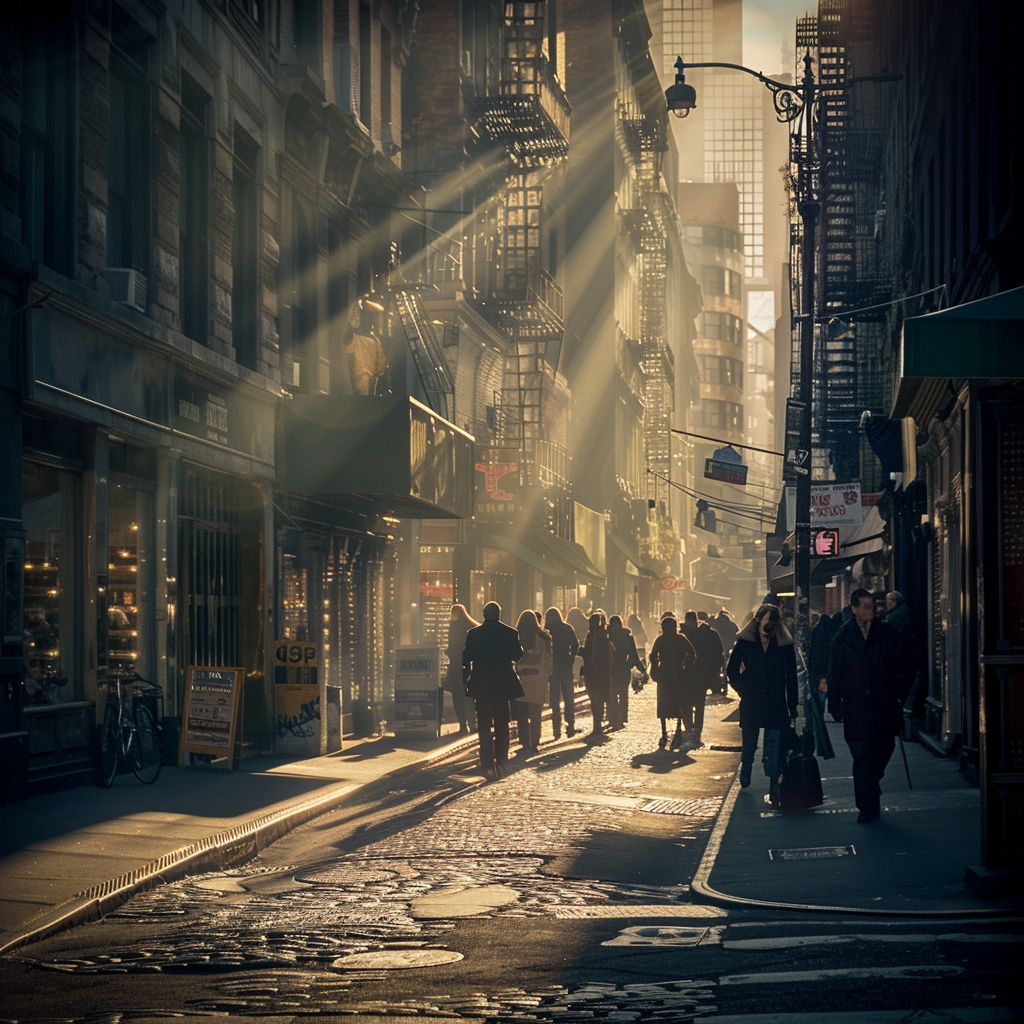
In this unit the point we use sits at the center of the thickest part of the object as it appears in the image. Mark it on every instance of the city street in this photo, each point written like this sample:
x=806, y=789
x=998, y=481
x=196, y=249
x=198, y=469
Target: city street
x=560, y=893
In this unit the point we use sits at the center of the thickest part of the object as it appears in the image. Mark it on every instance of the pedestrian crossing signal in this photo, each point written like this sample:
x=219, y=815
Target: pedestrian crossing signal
x=825, y=543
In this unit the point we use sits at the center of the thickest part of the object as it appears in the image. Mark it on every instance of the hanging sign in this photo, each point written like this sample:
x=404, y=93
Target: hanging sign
x=836, y=505
x=213, y=697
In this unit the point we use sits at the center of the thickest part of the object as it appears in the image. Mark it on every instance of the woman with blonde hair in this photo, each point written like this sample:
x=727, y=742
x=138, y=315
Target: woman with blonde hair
x=459, y=624
x=534, y=669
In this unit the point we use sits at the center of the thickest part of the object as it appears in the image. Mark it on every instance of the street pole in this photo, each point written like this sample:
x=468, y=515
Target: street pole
x=793, y=102
x=809, y=208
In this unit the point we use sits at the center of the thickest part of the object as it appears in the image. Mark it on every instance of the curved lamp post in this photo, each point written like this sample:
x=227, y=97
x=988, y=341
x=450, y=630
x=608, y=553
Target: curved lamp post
x=792, y=102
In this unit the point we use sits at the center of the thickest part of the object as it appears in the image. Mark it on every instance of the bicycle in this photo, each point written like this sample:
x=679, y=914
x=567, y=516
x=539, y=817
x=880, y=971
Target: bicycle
x=129, y=732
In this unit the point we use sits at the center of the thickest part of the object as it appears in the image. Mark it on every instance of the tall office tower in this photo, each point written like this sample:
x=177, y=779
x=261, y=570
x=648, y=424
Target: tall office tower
x=733, y=137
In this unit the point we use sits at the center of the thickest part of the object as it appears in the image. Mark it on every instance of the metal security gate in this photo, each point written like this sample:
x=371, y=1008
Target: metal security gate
x=1000, y=516
x=209, y=585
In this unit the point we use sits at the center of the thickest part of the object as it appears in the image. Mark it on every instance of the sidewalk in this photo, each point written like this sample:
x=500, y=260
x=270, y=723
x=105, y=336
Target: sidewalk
x=71, y=856
x=910, y=862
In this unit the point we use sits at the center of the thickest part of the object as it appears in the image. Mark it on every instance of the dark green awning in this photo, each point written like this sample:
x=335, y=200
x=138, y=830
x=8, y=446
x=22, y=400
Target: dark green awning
x=982, y=339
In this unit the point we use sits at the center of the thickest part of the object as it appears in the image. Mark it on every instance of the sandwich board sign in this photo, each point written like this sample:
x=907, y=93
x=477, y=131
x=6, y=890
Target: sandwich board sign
x=213, y=701
x=418, y=693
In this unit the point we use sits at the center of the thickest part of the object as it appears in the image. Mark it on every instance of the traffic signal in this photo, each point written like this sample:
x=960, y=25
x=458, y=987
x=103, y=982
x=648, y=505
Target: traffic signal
x=705, y=517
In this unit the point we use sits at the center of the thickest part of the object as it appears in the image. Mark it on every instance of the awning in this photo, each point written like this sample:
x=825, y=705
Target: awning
x=855, y=541
x=978, y=339
x=391, y=452
x=520, y=550
x=632, y=555
x=570, y=554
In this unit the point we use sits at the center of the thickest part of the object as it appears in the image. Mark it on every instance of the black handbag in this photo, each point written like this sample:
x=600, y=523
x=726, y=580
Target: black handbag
x=800, y=787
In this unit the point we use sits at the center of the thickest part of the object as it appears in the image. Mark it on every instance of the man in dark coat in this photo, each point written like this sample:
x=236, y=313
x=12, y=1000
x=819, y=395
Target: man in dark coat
x=762, y=670
x=869, y=675
x=726, y=629
x=488, y=666
x=707, y=670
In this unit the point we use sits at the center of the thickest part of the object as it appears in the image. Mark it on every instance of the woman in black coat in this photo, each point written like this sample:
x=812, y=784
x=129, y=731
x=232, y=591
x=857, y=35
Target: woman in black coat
x=625, y=660
x=762, y=670
x=671, y=662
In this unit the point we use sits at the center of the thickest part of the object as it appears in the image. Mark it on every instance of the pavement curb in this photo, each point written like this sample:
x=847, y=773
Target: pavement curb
x=227, y=849
x=701, y=884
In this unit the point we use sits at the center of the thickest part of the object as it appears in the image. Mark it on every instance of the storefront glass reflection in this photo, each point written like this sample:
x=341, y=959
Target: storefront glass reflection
x=47, y=511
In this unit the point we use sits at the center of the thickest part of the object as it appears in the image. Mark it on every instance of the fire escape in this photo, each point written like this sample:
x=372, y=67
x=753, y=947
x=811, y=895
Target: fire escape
x=529, y=116
x=647, y=223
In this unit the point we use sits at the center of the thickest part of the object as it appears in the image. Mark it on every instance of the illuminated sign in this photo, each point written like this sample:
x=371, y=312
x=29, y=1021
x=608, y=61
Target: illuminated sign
x=825, y=543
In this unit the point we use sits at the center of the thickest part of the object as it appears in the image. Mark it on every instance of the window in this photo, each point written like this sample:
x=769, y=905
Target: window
x=385, y=80
x=720, y=415
x=127, y=147
x=299, y=294
x=47, y=148
x=245, y=253
x=193, y=215
x=719, y=281
x=365, y=67
x=49, y=500
x=722, y=327
x=719, y=370
x=131, y=581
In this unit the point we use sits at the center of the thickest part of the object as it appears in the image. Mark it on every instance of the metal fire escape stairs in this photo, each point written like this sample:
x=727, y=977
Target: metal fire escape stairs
x=427, y=353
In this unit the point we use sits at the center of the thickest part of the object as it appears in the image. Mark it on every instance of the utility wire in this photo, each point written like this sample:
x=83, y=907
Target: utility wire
x=728, y=444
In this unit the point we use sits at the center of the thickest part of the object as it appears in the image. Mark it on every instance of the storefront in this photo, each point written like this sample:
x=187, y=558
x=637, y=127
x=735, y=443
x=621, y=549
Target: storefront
x=144, y=506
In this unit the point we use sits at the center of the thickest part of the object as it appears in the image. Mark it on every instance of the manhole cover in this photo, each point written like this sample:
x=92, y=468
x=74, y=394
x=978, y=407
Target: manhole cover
x=812, y=853
x=396, y=959
x=657, y=935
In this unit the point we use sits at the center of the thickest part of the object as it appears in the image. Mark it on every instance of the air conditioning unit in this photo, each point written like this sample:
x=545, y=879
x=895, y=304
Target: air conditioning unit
x=127, y=286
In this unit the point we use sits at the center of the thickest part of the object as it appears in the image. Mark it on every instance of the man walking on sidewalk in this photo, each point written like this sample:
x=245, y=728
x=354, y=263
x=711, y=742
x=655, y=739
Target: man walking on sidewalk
x=869, y=674
x=762, y=670
x=488, y=666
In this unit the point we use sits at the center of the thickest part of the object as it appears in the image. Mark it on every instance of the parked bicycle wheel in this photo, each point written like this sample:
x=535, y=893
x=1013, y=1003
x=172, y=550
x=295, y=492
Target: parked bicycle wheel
x=107, y=768
x=144, y=752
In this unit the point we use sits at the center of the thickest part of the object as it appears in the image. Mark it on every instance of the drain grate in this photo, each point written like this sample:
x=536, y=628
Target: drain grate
x=705, y=807
x=812, y=853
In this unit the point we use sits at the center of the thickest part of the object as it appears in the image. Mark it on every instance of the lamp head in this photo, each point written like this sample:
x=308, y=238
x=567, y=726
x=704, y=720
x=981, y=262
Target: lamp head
x=681, y=98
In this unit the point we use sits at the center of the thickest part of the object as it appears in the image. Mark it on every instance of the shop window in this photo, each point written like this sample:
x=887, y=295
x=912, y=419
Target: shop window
x=50, y=623
x=130, y=582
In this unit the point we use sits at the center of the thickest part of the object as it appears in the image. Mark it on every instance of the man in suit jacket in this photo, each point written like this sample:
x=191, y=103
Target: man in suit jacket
x=489, y=670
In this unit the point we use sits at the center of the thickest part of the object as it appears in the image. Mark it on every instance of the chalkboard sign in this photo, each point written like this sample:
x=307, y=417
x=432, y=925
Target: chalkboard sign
x=212, y=700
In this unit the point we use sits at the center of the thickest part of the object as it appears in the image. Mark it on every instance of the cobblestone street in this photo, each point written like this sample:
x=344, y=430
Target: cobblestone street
x=601, y=830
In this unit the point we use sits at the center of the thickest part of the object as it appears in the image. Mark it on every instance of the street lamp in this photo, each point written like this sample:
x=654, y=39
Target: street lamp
x=792, y=103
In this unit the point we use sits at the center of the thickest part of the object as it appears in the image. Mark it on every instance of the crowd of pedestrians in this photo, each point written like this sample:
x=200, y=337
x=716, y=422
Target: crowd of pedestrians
x=498, y=674
x=862, y=666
